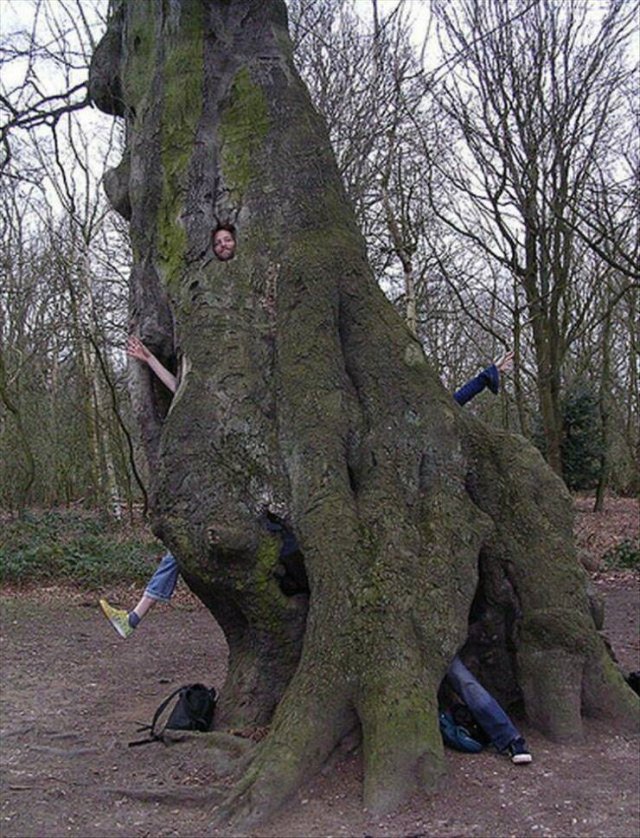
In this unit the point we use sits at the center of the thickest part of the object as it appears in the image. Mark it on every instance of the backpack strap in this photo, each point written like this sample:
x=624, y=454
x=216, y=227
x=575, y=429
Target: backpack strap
x=153, y=735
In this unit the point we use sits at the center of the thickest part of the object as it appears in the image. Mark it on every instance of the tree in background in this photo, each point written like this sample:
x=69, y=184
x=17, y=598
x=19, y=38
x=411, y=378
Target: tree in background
x=582, y=443
x=63, y=294
x=55, y=317
x=535, y=100
x=364, y=77
x=401, y=153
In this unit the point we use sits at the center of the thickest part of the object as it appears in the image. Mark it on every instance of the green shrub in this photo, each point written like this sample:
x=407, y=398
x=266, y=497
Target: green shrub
x=582, y=444
x=623, y=556
x=76, y=548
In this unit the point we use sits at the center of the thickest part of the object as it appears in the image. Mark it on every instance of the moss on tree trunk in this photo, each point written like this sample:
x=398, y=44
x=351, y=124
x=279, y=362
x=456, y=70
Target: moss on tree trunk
x=303, y=395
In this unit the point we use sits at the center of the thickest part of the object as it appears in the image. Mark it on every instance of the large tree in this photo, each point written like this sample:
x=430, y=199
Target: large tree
x=303, y=396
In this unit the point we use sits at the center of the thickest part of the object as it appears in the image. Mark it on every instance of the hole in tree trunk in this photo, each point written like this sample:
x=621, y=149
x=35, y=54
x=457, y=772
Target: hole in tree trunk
x=291, y=572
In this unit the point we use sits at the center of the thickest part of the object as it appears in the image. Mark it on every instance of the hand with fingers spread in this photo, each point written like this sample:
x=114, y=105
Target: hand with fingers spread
x=505, y=362
x=136, y=349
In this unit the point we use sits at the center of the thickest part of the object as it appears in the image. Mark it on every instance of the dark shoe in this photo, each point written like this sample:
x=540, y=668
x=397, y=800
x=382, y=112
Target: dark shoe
x=518, y=753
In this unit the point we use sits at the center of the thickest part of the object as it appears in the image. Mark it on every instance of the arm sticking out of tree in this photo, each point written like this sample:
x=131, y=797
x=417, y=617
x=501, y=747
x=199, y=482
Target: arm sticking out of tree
x=488, y=378
x=136, y=349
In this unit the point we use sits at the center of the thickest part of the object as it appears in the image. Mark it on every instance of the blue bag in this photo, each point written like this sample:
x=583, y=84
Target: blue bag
x=456, y=736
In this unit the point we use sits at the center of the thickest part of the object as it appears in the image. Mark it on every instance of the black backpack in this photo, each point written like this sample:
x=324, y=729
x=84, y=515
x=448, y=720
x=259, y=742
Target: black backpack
x=633, y=679
x=193, y=710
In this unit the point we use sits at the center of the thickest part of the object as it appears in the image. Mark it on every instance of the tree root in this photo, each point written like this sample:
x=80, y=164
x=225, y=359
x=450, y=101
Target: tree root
x=171, y=797
x=605, y=693
x=309, y=723
x=402, y=745
x=225, y=753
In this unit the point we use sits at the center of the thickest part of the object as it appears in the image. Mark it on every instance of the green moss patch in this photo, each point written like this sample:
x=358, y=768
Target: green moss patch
x=183, y=74
x=244, y=124
x=558, y=628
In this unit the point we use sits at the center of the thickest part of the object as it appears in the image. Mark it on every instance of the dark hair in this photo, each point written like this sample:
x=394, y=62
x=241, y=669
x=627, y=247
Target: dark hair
x=228, y=227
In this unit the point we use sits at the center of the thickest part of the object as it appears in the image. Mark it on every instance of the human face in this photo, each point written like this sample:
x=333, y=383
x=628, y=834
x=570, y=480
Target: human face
x=224, y=245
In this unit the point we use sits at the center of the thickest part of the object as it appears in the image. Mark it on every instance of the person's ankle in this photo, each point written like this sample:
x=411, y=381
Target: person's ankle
x=133, y=619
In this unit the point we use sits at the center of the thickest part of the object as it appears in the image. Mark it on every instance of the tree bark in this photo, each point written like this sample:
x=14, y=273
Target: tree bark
x=604, y=407
x=303, y=395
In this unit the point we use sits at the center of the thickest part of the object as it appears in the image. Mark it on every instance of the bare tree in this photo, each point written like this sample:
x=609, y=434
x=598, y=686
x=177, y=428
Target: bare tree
x=45, y=67
x=363, y=75
x=397, y=146
x=534, y=98
x=62, y=337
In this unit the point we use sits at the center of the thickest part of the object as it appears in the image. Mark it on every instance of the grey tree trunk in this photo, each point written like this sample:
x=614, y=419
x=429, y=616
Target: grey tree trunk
x=302, y=394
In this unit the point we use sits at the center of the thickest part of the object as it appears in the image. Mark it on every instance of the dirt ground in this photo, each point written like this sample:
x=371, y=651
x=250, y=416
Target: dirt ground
x=72, y=692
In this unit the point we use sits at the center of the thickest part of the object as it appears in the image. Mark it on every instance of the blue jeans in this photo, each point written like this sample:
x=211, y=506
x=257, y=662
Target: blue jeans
x=484, y=708
x=163, y=582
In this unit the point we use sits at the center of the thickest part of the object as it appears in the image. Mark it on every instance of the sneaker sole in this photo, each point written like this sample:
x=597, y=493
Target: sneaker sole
x=521, y=759
x=120, y=630
x=104, y=605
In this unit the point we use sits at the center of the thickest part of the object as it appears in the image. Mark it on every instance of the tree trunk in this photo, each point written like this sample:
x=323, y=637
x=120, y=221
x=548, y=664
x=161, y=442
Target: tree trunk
x=28, y=470
x=604, y=406
x=302, y=394
x=523, y=422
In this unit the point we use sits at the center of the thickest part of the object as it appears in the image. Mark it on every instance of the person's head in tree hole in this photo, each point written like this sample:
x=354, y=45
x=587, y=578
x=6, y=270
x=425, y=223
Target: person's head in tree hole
x=223, y=240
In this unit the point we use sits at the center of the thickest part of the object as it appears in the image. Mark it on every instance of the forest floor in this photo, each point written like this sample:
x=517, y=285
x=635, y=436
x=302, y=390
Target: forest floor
x=72, y=693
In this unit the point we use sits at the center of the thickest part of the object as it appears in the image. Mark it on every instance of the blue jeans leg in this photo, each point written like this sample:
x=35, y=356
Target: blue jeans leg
x=163, y=582
x=485, y=709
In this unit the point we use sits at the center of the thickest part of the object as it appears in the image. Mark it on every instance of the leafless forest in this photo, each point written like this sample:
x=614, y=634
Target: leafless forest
x=491, y=153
